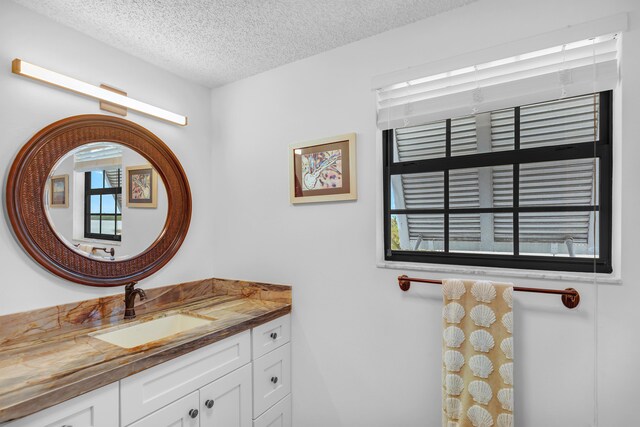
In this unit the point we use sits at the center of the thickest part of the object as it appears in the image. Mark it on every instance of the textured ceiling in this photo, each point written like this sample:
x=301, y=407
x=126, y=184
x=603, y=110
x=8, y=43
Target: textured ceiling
x=215, y=42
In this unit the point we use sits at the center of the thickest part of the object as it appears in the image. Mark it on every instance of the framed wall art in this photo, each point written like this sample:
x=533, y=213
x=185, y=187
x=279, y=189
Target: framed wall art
x=59, y=191
x=323, y=170
x=142, y=187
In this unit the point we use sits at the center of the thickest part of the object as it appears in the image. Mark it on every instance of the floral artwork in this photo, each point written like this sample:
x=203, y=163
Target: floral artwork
x=141, y=186
x=322, y=170
x=142, y=183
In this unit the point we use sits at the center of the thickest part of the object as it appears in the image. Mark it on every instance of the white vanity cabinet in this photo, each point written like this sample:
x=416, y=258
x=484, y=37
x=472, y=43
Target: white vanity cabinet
x=279, y=415
x=181, y=413
x=98, y=408
x=227, y=401
x=271, y=382
x=224, y=403
x=270, y=336
x=241, y=381
x=156, y=387
x=272, y=373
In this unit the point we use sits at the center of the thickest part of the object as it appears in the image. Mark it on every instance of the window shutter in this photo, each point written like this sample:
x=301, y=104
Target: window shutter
x=551, y=123
x=464, y=186
x=422, y=192
x=114, y=177
x=421, y=142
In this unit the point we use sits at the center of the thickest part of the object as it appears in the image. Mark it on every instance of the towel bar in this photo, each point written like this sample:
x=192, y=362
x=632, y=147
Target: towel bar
x=110, y=251
x=570, y=297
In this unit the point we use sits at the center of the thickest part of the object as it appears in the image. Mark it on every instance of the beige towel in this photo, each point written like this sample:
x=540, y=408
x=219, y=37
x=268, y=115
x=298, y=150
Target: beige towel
x=477, y=354
x=86, y=248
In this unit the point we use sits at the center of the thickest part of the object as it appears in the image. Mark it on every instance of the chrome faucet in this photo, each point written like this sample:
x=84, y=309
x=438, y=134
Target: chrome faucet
x=130, y=292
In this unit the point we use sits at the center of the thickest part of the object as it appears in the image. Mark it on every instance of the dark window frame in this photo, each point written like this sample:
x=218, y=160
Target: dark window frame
x=602, y=150
x=88, y=192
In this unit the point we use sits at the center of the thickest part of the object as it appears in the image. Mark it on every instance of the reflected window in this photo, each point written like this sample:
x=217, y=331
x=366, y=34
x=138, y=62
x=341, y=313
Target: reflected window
x=103, y=204
x=527, y=187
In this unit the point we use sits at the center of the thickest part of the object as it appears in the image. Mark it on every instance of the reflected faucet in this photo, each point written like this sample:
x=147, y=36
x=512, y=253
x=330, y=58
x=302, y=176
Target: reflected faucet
x=130, y=292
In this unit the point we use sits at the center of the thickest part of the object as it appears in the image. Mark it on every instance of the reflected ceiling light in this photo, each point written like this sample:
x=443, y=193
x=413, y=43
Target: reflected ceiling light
x=26, y=69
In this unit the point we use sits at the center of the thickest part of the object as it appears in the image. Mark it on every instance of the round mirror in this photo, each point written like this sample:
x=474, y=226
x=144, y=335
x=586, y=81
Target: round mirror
x=104, y=200
x=98, y=200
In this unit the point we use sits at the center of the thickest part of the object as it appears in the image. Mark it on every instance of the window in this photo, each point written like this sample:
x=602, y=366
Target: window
x=103, y=204
x=526, y=187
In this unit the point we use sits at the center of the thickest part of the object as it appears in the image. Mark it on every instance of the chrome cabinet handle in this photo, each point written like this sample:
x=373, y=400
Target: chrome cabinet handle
x=274, y=380
x=274, y=335
x=193, y=413
x=208, y=403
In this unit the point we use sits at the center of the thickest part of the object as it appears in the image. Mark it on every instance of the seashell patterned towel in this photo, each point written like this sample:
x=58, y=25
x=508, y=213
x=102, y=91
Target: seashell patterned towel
x=477, y=354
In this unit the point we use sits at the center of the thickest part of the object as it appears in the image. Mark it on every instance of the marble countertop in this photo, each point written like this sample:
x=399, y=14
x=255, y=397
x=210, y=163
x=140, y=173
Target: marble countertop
x=48, y=356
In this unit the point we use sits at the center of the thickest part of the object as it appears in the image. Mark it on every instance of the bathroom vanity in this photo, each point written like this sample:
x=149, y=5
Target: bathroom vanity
x=82, y=365
x=207, y=353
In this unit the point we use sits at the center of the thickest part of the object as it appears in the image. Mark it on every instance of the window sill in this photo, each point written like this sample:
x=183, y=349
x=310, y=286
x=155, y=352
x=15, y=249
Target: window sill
x=502, y=272
x=102, y=242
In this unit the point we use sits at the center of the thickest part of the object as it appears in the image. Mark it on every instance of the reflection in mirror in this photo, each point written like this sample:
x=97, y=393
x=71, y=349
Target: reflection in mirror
x=105, y=201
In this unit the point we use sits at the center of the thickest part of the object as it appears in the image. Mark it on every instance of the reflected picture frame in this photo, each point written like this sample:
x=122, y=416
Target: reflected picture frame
x=59, y=191
x=141, y=187
x=323, y=170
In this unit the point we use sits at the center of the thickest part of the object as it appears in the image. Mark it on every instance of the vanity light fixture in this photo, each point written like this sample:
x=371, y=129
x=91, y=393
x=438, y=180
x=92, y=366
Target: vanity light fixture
x=35, y=72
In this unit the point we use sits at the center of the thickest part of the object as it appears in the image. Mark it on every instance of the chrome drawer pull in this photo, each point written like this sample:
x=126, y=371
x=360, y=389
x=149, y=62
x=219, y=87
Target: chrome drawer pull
x=193, y=413
x=274, y=335
x=274, y=380
x=208, y=403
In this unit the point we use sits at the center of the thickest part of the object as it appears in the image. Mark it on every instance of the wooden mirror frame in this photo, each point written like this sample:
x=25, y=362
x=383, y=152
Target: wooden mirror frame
x=29, y=174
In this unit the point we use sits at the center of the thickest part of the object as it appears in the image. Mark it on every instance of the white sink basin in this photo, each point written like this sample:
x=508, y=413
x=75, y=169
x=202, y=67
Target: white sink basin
x=153, y=330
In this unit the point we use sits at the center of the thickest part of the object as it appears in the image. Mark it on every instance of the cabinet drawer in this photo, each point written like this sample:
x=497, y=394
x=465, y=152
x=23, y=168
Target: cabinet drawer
x=226, y=402
x=98, y=408
x=279, y=415
x=156, y=387
x=271, y=335
x=182, y=413
x=271, y=378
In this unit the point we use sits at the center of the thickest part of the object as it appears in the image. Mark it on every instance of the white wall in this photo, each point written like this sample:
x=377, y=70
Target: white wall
x=27, y=107
x=62, y=218
x=140, y=226
x=364, y=353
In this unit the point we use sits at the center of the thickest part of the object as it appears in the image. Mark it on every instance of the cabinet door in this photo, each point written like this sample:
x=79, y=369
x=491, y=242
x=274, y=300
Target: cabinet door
x=271, y=378
x=227, y=402
x=98, y=408
x=156, y=387
x=279, y=415
x=181, y=413
x=270, y=335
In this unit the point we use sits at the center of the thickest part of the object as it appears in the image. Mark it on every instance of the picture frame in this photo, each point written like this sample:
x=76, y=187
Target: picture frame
x=59, y=191
x=142, y=187
x=323, y=170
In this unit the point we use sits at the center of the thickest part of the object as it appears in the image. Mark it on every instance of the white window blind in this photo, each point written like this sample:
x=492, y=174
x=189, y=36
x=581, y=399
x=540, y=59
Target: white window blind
x=98, y=156
x=570, y=68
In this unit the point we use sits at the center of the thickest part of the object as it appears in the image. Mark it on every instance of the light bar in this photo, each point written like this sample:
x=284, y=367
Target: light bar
x=26, y=69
